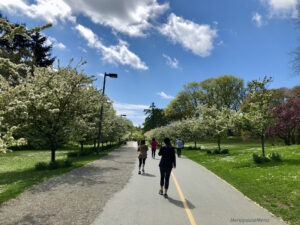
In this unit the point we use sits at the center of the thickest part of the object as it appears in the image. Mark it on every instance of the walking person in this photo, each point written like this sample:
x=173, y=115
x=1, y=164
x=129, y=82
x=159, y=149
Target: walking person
x=153, y=147
x=167, y=162
x=142, y=148
x=179, y=147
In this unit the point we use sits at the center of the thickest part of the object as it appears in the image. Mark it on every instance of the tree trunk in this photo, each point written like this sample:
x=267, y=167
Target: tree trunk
x=263, y=144
x=219, y=143
x=81, y=146
x=195, y=144
x=53, y=148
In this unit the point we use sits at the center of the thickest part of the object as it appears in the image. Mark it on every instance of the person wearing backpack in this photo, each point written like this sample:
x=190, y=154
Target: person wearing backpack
x=142, y=149
x=166, y=164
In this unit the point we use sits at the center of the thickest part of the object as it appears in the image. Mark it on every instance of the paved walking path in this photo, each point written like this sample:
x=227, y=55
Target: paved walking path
x=109, y=191
x=196, y=196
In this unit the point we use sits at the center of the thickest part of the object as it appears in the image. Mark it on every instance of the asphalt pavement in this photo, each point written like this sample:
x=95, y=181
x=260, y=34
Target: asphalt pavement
x=196, y=196
x=109, y=191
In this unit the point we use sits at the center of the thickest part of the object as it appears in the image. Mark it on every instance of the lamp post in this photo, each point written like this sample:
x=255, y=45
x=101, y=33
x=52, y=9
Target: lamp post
x=111, y=75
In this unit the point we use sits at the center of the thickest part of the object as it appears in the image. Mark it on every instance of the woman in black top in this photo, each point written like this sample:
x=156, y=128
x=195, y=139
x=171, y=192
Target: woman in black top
x=167, y=162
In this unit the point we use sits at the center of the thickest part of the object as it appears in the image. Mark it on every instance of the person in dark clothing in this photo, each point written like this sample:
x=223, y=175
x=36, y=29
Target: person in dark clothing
x=167, y=162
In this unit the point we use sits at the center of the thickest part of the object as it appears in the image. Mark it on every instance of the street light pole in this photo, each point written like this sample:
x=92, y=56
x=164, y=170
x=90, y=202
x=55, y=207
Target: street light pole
x=111, y=75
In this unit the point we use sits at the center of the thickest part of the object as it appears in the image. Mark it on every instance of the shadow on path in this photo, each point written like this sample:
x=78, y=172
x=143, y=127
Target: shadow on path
x=179, y=203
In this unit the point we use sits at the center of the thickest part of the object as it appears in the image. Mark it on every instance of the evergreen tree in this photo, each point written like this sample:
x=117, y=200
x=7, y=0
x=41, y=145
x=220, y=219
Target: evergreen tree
x=155, y=118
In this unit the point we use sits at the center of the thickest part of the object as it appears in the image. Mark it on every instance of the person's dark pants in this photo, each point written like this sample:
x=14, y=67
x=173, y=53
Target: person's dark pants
x=165, y=176
x=142, y=161
x=179, y=152
x=153, y=153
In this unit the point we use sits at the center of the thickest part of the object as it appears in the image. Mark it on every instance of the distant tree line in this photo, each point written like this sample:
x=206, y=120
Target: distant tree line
x=223, y=106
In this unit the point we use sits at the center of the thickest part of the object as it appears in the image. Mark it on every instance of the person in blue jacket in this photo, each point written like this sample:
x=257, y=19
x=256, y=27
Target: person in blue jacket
x=167, y=162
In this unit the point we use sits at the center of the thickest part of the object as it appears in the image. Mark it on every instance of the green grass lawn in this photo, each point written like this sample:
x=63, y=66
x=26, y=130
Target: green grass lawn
x=17, y=169
x=273, y=185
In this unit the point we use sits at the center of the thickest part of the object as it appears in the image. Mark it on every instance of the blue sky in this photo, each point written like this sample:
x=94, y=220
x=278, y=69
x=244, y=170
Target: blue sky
x=157, y=46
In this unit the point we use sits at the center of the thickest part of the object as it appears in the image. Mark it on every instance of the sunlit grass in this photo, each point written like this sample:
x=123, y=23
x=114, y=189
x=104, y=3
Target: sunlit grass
x=273, y=185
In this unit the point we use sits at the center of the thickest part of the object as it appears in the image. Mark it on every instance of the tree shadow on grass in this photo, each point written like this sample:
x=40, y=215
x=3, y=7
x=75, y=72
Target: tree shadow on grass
x=291, y=161
x=271, y=163
x=82, y=176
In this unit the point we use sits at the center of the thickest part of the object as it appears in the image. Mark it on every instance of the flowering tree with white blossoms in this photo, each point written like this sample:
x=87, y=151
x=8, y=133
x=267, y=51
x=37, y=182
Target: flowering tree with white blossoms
x=216, y=122
x=47, y=105
x=256, y=113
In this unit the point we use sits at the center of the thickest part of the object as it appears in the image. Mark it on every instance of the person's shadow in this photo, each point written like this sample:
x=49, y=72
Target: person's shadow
x=180, y=203
x=148, y=175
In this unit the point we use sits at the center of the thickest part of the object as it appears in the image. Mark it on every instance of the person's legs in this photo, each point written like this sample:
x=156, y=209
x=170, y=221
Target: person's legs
x=144, y=161
x=179, y=152
x=140, y=164
x=153, y=153
x=167, y=178
x=162, y=179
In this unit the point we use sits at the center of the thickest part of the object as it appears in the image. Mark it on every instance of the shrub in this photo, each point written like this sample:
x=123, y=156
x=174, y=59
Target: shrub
x=259, y=159
x=275, y=157
x=217, y=151
x=54, y=165
x=208, y=151
x=41, y=166
x=224, y=151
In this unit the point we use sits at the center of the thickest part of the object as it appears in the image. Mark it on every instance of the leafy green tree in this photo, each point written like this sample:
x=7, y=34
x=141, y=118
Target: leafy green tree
x=180, y=108
x=223, y=91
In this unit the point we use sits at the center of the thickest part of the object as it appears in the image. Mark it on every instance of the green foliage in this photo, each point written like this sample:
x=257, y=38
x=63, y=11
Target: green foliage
x=154, y=118
x=275, y=156
x=224, y=151
x=259, y=159
x=21, y=49
x=53, y=165
x=218, y=152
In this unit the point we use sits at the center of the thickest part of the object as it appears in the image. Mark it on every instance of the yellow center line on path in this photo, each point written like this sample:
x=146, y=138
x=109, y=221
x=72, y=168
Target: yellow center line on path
x=185, y=205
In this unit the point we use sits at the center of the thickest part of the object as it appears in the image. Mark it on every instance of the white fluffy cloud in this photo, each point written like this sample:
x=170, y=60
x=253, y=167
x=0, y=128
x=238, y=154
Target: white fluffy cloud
x=192, y=36
x=131, y=17
x=282, y=8
x=118, y=54
x=172, y=62
x=164, y=95
x=48, y=10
